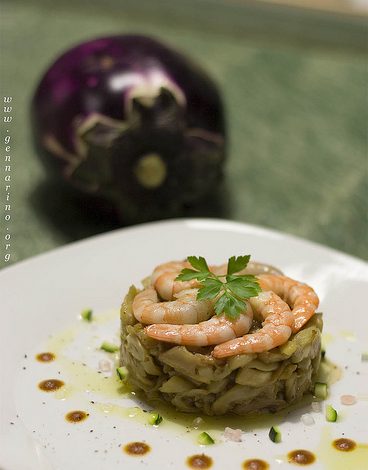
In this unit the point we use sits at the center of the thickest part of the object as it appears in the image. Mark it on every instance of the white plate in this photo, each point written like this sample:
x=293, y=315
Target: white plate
x=44, y=296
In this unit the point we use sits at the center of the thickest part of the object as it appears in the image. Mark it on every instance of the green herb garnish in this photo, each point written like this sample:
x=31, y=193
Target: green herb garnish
x=205, y=439
x=122, y=373
x=331, y=414
x=109, y=347
x=275, y=434
x=231, y=292
x=155, y=419
x=320, y=390
x=86, y=314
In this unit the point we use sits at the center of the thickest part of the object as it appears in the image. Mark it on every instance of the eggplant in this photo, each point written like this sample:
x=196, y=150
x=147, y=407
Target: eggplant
x=132, y=121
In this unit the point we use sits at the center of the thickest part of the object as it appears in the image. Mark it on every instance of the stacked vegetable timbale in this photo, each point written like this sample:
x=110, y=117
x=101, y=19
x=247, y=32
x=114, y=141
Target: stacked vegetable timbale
x=256, y=350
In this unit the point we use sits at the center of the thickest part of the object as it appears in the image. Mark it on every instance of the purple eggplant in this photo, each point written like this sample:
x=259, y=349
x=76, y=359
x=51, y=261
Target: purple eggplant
x=132, y=121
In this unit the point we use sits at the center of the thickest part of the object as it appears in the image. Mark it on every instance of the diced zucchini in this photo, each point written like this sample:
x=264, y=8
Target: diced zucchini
x=122, y=372
x=320, y=390
x=109, y=347
x=86, y=314
x=331, y=414
x=205, y=439
x=275, y=434
x=154, y=419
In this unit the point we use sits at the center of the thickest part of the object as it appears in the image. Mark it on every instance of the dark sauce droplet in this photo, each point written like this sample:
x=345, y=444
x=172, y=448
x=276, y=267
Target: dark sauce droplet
x=301, y=457
x=137, y=448
x=255, y=464
x=345, y=445
x=50, y=385
x=45, y=357
x=76, y=416
x=199, y=461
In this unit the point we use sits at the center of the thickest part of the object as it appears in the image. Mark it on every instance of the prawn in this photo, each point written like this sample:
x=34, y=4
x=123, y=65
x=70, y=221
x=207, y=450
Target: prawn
x=163, y=279
x=214, y=331
x=253, y=267
x=276, y=328
x=164, y=275
x=185, y=309
x=302, y=298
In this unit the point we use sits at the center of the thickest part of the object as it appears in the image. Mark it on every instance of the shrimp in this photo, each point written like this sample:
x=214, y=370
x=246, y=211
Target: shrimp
x=302, y=298
x=256, y=268
x=164, y=275
x=213, y=331
x=185, y=309
x=253, y=267
x=163, y=279
x=276, y=328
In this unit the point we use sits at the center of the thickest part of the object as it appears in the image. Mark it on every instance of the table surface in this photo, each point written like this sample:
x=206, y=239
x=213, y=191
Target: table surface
x=296, y=113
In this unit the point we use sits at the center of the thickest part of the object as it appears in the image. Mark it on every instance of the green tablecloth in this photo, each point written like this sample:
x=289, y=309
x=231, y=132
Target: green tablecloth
x=296, y=118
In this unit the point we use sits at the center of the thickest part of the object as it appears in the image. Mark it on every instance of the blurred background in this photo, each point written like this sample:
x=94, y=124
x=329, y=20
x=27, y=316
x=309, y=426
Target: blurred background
x=292, y=76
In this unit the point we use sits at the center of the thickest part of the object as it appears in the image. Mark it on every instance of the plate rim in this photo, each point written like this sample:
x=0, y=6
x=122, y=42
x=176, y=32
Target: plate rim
x=188, y=221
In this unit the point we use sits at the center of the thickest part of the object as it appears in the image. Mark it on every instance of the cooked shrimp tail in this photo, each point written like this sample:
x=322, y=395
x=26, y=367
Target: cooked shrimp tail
x=302, y=298
x=163, y=279
x=276, y=328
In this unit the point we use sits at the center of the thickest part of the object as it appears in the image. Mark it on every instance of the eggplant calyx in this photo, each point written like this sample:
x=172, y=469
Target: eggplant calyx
x=98, y=134
x=149, y=87
x=150, y=170
x=94, y=172
x=95, y=138
x=160, y=111
x=98, y=130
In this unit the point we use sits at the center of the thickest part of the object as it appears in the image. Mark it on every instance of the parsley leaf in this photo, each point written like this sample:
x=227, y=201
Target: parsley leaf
x=243, y=289
x=189, y=274
x=230, y=293
x=199, y=263
x=210, y=289
x=237, y=263
x=230, y=305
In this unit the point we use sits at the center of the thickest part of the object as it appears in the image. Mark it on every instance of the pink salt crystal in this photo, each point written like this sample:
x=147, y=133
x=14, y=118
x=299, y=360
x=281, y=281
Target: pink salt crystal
x=348, y=399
